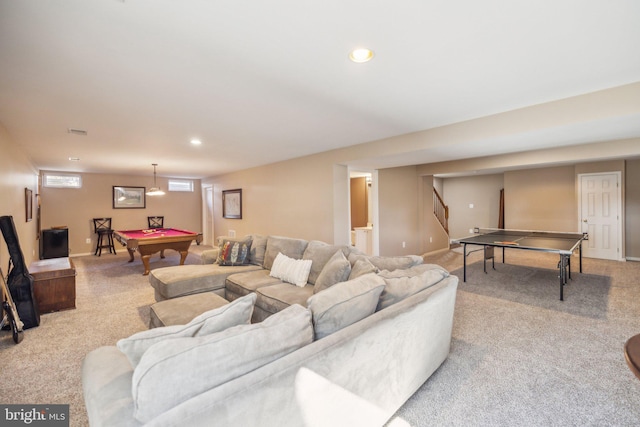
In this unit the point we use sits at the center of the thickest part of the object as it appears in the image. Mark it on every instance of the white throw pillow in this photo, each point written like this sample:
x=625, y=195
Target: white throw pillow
x=235, y=313
x=173, y=371
x=294, y=271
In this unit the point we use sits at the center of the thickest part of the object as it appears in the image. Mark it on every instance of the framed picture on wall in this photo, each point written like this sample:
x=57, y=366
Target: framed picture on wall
x=232, y=204
x=28, y=204
x=128, y=197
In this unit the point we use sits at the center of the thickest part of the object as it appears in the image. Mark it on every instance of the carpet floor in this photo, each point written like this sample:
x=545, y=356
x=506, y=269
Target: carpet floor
x=519, y=356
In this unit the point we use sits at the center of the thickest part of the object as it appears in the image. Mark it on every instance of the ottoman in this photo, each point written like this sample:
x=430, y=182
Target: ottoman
x=180, y=311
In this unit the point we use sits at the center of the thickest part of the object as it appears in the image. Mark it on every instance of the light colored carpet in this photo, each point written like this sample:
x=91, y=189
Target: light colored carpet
x=112, y=302
x=519, y=356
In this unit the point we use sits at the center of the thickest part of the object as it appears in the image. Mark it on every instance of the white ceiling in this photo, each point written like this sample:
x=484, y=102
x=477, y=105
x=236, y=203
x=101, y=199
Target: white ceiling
x=260, y=81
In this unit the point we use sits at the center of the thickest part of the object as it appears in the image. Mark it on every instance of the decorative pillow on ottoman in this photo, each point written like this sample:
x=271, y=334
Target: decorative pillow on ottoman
x=344, y=304
x=235, y=313
x=234, y=252
x=201, y=363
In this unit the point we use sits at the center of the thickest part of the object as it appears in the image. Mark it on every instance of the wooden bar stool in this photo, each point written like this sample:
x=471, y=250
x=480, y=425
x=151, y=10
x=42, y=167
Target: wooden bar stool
x=156, y=221
x=102, y=227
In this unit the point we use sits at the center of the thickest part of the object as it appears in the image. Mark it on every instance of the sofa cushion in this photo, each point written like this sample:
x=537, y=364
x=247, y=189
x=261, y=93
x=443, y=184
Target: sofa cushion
x=182, y=310
x=320, y=253
x=233, y=252
x=258, y=249
x=336, y=270
x=294, y=271
x=178, y=280
x=293, y=248
x=173, y=371
x=344, y=304
x=361, y=267
x=388, y=263
x=401, y=284
x=236, y=313
x=245, y=283
x=277, y=297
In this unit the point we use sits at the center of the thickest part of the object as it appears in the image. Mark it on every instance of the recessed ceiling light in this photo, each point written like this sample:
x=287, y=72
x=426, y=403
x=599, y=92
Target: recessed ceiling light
x=196, y=141
x=360, y=55
x=74, y=159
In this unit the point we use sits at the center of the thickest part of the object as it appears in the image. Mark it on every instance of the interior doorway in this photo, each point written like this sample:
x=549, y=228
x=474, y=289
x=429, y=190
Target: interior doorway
x=601, y=214
x=361, y=211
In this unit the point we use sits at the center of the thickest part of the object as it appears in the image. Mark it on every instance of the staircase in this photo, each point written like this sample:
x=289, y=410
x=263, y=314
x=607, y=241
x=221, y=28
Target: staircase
x=440, y=210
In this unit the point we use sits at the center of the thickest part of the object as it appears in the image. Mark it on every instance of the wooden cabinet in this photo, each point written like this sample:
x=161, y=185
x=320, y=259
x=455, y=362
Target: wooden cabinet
x=54, y=285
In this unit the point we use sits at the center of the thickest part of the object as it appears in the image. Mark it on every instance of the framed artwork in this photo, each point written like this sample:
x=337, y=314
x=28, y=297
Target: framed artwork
x=128, y=197
x=232, y=204
x=28, y=204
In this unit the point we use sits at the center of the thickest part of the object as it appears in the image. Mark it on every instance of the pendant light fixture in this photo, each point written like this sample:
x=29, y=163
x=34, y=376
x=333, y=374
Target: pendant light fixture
x=155, y=190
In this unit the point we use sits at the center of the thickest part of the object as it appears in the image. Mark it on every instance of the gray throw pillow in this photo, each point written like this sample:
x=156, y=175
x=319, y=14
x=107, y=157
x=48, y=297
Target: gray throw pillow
x=401, y=284
x=320, y=253
x=235, y=313
x=361, y=267
x=199, y=364
x=344, y=304
x=336, y=270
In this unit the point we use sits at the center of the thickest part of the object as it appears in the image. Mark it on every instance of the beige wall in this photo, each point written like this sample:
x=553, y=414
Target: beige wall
x=293, y=198
x=541, y=199
x=16, y=174
x=75, y=208
x=398, y=211
x=483, y=192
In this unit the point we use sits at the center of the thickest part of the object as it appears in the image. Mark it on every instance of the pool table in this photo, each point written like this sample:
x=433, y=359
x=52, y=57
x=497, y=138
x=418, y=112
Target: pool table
x=147, y=242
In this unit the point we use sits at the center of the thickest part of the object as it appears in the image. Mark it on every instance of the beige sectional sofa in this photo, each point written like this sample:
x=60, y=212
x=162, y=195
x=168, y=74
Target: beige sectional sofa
x=350, y=353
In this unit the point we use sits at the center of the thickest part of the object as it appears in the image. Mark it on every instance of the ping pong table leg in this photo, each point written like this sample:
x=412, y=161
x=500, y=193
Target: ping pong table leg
x=464, y=262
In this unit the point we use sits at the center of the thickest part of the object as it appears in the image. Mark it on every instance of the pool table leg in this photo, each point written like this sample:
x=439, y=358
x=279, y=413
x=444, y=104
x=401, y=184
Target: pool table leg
x=183, y=256
x=162, y=253
x=145, y=262
x=130, y=254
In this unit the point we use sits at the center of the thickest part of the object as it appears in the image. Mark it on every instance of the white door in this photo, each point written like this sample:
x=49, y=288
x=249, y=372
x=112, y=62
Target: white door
x=600, y=207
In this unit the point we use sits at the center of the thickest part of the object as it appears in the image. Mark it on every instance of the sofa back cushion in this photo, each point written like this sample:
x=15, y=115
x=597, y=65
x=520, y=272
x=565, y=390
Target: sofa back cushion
x=388, y=262
x=293, y=248
x=401, y=284
x=258, y=249
x=344, y=304
x=235, y=313
x=173, y=371
x=320, y=253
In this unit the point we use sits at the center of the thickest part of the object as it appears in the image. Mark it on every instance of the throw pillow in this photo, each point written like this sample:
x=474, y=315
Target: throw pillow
x=401, y=284
x=361, y=267
x=320, y=253
x=234, y=252
x=294, y=271
x=235, y=313
x=199, y=364
x=344, y=304
x=336, y=270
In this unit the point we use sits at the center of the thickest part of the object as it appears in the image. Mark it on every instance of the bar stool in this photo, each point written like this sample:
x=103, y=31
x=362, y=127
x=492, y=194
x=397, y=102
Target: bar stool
x=156, y=221
x=102, y=227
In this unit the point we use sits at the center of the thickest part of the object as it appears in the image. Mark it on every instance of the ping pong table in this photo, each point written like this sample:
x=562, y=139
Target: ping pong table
x=564, y=244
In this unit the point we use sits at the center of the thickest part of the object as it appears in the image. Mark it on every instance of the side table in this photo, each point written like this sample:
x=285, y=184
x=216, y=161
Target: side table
x=54, y=285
